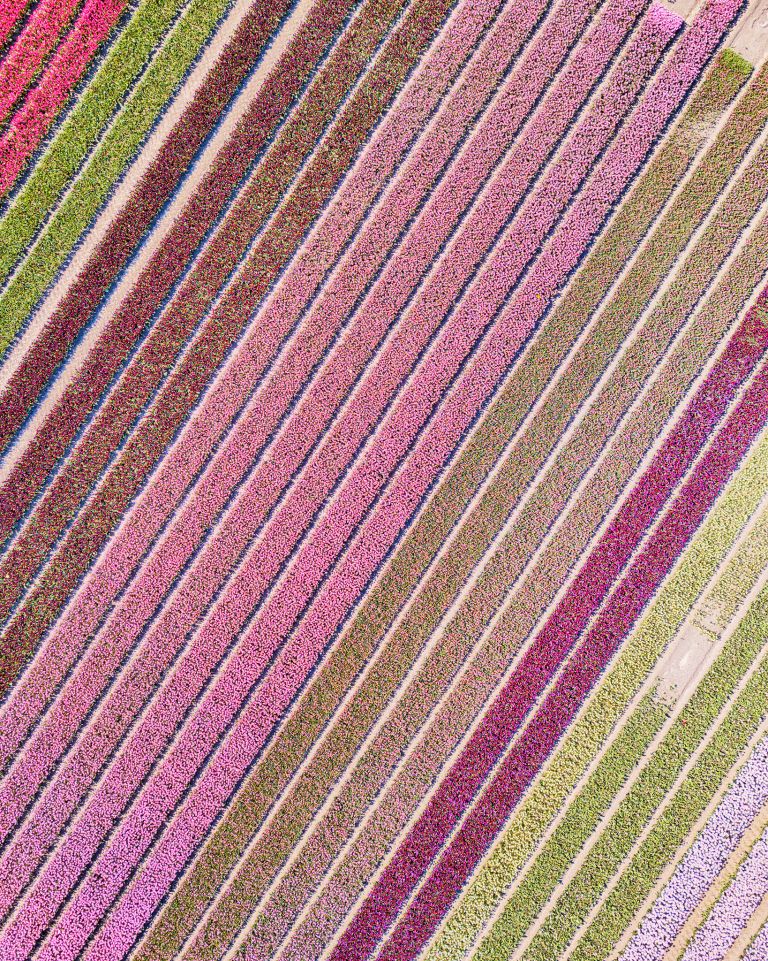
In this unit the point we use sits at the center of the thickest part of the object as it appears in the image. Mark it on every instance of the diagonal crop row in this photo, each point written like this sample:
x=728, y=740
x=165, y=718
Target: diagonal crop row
x=343, y=665
x=205, y=507
x=28, y=52
x=40, y=108
x=211, y=348
x=706, y=859
x=274, y=625
x=625, y=681
x=580, y=674
x=520, y=542
x=149, y=197
x=686, y=806
x=146, y=64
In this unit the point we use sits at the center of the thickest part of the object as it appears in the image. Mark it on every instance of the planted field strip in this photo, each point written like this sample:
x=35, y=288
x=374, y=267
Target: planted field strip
x=759, y=946
x=701, y=866
x=365, y=707
x=382, y=478
x=285, y=597
x=197, y=122
x=144, y=65
x=202, y=436
x=453, y=647
x=42, y=104
x=214, y=343
x=229, y=537
x=621, y=687
x=191, y=378
x=734, y=908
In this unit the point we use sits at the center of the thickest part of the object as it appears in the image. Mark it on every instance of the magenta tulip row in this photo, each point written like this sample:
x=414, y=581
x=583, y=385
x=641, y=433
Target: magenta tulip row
x=234, y=535
x=702, y=864
x=186, y=458
x=11, y=12
x=33, y=119
x=29, y=50
x=735, y=907
x=210, y=720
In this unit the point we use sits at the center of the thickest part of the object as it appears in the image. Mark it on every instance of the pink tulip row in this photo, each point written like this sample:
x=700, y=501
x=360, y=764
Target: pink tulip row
x=11, y=13
x=294, y=592
x=560, y=634
x=234, y=536
x=736, y=906
x=187, y=457
x=84, y=687
x=28, y=51
x=31, y=122
x=298, y=657
x=706, y=859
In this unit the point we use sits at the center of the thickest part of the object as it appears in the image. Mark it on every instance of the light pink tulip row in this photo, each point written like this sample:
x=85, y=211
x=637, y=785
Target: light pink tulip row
x=703, y=863
x=30, y=48
x=736, y=906
x=758, y=950
x=283, y=607
x=50, y=740
x=31, y=122
x=187, y=457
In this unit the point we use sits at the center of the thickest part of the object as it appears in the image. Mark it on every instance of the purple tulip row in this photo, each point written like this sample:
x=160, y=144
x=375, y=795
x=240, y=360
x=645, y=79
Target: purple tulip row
x=161, y=644
x=701, y=865
x=186, y=458
x=735, y=907
x=210, y=720
x=758, y=950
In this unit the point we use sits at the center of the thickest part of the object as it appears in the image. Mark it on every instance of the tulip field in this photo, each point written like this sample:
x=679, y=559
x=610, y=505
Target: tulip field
x=384, y=480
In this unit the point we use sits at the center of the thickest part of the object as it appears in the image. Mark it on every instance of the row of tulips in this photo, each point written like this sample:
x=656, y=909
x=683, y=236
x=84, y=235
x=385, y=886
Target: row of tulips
x=160, y=571
x=95, y=144
x=188, y=456
x=758, y=949
x=315, y=709
x=235, y=674
x=736, y=905
x=521, y=540
x=34, y=118
x=601, y=714
x=11, y=19
x=234, y=535
x=582, y=671
x=186, y=382
x=148, y=198
x=686, y=806
x=28, y=52
x=704, y=862
x=468, y=774
x=515, y=919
